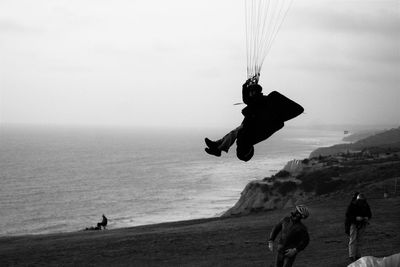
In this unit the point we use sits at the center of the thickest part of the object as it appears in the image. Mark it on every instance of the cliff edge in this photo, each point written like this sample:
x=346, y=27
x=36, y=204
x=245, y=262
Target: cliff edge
x=371, y=164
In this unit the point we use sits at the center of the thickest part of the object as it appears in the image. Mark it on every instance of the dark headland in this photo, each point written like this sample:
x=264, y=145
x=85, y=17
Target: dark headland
x=324, y=182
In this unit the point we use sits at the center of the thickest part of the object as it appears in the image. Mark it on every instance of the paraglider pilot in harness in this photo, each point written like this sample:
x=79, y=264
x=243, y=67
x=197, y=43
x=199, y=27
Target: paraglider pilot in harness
x=263, y=116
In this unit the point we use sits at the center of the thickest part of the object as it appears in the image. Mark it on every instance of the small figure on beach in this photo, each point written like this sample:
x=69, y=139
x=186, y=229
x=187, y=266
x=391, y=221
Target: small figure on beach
x=103, y=222
x=263, y=116
x=100, y=225
x=358, y=215
x=293, y=239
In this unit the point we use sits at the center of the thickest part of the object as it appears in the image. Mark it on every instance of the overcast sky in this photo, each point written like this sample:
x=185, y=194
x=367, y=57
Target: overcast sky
x=182, y=62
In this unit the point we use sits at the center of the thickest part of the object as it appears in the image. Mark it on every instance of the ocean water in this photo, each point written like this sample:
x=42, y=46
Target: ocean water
x=63, y=179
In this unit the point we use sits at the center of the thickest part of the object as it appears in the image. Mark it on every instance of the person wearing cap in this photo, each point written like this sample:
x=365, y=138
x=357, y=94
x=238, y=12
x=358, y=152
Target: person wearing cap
x=293, y=237
x=263, y=116
x=358, y=214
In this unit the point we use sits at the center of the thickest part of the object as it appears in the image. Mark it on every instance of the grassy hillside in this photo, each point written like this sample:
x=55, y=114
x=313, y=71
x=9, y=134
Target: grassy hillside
x=234, y=241
x=350, y=172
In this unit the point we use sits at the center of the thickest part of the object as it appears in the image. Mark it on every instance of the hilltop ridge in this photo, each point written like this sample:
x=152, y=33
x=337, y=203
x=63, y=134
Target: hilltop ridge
x=385, y=140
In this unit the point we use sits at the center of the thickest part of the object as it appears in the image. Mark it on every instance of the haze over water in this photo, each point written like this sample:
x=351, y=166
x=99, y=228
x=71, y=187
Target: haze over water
x=63, y=179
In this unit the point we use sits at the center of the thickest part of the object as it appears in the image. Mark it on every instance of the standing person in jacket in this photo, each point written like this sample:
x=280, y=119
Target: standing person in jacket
x=347, y=222
x=263, y=116
x=293, y=239
x=358, y=214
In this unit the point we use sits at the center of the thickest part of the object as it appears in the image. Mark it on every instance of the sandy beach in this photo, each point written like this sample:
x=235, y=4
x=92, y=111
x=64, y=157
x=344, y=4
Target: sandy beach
x=234, y=241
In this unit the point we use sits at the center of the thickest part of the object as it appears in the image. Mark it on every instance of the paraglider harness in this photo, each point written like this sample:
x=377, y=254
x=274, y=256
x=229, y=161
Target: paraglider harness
x=253, y=80
x=263, y=116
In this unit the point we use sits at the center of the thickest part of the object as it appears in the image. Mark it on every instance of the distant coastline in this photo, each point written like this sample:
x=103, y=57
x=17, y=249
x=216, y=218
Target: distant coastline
x=378, y=139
